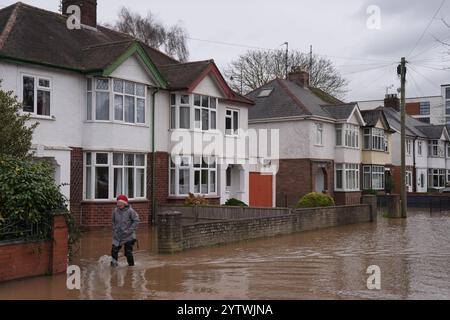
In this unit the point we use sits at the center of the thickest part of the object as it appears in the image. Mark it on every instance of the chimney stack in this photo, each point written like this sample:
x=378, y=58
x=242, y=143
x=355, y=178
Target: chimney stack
x=392, y=101
x=300, y=77
x=88, y=10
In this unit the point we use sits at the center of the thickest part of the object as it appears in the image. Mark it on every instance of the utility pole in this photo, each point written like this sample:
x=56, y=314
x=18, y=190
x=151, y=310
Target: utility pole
x=401, y=70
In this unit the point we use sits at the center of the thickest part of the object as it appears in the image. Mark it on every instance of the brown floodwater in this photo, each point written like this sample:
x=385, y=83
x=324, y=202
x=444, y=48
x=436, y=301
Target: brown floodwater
x=413, y=254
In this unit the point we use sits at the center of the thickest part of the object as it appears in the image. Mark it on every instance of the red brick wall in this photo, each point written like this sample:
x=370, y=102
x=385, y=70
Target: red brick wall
x=22, y=260
x=76, y=182
x=413, y=108
x=98, y=215
x=93, y=215
x=296, y=178
x=347, y=198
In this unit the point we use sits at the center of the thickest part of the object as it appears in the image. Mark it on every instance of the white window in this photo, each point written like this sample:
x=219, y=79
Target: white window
x=319, y=134
x=231, y=122
x=409, y=147
x=409, y=179
x=448, y=150
x=193, y=111
x=419, y=148
x=378, y=140
x=436, y=178
x=448, y=177
x=436, y=148
x=108, y=175
x=347, y=135
x=347, y=177
x=115, y=100
x=129, y=101
x=36, y=95
x=197, y=175
x=373, y=177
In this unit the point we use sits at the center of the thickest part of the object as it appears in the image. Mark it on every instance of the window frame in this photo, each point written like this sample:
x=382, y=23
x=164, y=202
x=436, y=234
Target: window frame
x=319, y=134
x=91, y=115
x=37, y=88
x=351, y=175
x=111, y=182
x=439, y=173
x=375, y=173
x=234, y=132
x=193, y=168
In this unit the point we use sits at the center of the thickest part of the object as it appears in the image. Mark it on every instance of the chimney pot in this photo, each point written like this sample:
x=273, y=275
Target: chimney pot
x=392, y=101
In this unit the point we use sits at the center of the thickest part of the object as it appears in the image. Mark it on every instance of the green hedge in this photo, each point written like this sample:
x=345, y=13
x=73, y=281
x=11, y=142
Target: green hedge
x=316, y=200
x=235, y=203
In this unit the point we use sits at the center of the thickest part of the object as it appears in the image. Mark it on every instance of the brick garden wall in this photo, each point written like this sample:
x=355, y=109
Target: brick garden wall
x=175, y=235
x=27, y=259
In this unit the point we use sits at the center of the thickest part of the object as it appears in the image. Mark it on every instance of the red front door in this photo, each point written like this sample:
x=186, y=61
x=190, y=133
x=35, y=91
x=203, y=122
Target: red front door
x=261, y=190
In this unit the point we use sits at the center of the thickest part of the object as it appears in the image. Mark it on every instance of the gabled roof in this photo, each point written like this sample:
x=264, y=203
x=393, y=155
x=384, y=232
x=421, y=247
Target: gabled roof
x=50, y=42
x=187, y=76
x=434, y=132
x=340, y=111
x=412, y=124
x=288, y=99
x=371, y=117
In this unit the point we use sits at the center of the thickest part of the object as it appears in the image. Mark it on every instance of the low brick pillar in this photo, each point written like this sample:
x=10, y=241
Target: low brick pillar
x=170, y=232
x=60, y=245
x=393, y=206
x=371, y=200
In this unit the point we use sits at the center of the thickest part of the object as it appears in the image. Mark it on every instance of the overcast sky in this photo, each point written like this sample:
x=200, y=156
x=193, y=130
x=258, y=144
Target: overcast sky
x=338, y=29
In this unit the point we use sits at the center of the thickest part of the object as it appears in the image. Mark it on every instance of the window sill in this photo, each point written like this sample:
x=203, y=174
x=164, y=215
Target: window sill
x=172, y=197
x=38, y=117
x=348, y=191
x=119, y=123
x=348, y=148
x=94, y=201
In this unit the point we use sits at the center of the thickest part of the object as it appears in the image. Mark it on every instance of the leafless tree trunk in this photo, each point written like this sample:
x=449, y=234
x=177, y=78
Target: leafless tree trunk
x=171, y=40
x=257, y=67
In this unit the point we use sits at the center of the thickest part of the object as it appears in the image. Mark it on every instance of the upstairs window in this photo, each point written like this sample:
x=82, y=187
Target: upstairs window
x=193, y=112
x=375, y=139
x=447, y=100
x=409, y=147
x=115, y=100
x=436, y=149
x=319, y=134
x=347, y=136
x=419, y=148
x=36, y=95
x=231, y=122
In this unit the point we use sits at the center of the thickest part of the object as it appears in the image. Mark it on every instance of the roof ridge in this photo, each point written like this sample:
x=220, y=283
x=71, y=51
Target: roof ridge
x=107, y=44
x=9, y=24
x=293, y=97
x=186, y=63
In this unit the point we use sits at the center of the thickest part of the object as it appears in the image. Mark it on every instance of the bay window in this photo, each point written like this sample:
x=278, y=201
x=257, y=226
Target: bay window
x=436, y=178
x=375, y=139
x=373, y=177
x=36, y=95
x=116, y=100
x=436, y=148
x=347, y=135
x=347, y=177
x=107, y=175
x=197, y=175
x=193, y=112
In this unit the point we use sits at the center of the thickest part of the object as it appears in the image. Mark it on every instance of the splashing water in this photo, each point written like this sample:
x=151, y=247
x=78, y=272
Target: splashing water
x=105, y=260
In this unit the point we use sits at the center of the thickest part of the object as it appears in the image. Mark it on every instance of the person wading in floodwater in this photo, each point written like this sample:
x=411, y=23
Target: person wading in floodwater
x=125, y=222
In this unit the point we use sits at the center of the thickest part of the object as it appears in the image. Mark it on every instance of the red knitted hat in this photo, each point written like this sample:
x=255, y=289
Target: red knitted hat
x=122, y=198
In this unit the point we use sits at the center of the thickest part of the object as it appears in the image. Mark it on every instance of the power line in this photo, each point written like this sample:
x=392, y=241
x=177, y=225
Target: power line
x=423, y=76
x=428, y=26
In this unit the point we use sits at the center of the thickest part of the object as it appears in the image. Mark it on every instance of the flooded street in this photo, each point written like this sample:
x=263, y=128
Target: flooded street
x=413, y=254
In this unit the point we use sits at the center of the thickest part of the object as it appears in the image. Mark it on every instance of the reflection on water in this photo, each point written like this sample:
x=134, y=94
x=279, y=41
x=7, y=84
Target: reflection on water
x=413, y=254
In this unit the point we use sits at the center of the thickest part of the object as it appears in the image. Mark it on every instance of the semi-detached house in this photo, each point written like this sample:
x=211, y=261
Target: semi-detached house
x=320, y=139
x=111, y=109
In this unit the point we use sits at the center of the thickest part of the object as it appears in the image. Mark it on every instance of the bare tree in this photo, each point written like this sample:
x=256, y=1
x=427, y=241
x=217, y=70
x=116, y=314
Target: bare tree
x=257, y=67
x=171, y=40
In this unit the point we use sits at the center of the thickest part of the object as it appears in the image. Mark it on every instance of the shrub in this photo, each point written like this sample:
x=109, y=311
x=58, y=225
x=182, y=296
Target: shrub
x=235, y=203
x=316, y=200
x=193, y=200
x=29, y=196
x=371, y=192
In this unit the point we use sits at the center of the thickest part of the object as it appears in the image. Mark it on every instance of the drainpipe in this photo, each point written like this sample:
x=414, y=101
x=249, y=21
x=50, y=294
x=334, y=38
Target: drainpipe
x=153, y=194
x=414, y=173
